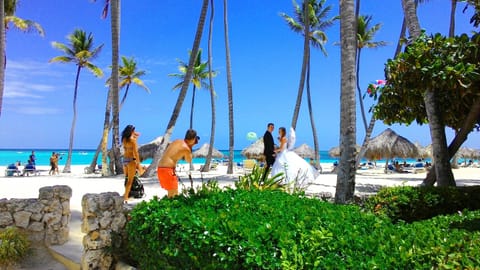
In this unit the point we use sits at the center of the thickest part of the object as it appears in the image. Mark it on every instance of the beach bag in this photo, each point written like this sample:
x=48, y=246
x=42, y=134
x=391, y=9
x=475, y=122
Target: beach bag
x=137, y=191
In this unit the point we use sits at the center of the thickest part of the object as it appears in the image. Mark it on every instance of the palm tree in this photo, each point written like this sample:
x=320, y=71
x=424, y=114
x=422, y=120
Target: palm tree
x=208, y=159
x=440, y=151
x=79, y=51
x=113, y=92
x=312, y=28
x=200, y=74
x=7, y=10
x=2, y=53
x=129, y=74
x=365, y=35
x=346, y=168
x=183, y=92
x=231, y=132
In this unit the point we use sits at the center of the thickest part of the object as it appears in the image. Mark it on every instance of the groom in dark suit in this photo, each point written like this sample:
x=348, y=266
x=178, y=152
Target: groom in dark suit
x=269, y=148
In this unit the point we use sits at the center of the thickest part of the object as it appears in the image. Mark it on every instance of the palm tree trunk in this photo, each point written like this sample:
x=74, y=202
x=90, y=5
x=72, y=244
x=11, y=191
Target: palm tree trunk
x=443, y=170
x=2, y=53
x=312, y=121
x=360, y=99
x=208, y=160
x=231, y=140
x=183, y=92
x=192, y=107
x=346, y=168
x=451, y=31
x=104, y=141
x=68, y=163
x=439, y=141
x=460, y=138
x=400, y=38
x=115, y=21
x=306, y=45
x=366, y=140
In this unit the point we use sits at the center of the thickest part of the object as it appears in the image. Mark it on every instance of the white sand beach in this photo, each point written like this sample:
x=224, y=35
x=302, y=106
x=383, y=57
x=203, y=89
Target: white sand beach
x=367, y=182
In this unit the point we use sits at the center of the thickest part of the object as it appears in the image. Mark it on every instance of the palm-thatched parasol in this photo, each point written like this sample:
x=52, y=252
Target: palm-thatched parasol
x=389, y=145
x=335, y=151
x=255, y=150
x=424, y=152
x=203, y=152
x=305, y=151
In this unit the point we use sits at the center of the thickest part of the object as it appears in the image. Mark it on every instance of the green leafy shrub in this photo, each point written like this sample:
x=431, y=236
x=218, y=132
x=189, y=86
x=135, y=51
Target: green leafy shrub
x=238, y=229
x=418, y=203
x=14, y=245
x=254, y=181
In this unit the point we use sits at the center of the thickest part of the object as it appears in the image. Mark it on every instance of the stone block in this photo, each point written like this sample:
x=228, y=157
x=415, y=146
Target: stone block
x=22, y=219
x=36, y=226
x=6, y=219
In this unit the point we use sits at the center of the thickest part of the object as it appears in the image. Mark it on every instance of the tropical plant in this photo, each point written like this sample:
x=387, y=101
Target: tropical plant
x=200, y=74
x=183, y=92
x=81, y=52
x=312, y=28
x=346, y=168
x=255, y=181
x=231, y=125
x=365, y=35
x=208, y=159
x=129, y=74
x=14, y=245
x=449, y=68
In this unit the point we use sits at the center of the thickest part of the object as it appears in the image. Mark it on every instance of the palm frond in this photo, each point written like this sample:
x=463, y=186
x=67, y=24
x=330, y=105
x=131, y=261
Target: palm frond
x=140, y=83
x=94, y=69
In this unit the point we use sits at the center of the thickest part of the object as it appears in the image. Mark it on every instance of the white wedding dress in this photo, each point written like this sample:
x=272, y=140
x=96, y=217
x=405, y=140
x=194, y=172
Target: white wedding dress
x=296, y=170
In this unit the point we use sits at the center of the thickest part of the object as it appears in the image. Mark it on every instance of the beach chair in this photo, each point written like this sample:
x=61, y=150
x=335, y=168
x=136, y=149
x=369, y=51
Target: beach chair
x=12, y=170
x=29, y=169
x=419, y=167
x=248, y=165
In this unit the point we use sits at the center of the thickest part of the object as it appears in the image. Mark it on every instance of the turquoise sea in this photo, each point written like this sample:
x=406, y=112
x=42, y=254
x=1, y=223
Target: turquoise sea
x=85, y=156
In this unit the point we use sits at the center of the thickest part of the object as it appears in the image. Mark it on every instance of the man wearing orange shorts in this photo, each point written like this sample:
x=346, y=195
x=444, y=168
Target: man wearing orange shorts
x=178, y=149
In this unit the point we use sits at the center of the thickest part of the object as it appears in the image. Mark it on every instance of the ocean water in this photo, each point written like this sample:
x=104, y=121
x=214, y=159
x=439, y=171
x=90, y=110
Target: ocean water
x=85, y=156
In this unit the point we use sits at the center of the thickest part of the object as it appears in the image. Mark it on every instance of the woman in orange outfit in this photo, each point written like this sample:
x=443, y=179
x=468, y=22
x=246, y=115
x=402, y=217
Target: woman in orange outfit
x=131, y=159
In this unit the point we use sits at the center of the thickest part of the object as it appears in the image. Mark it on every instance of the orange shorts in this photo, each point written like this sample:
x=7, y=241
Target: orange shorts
x=167, y=178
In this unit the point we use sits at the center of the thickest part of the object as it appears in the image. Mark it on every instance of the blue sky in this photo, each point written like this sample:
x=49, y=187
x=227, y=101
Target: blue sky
x=266, y=62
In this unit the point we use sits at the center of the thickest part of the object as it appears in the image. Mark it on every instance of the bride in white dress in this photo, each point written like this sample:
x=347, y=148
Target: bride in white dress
x=296, y=170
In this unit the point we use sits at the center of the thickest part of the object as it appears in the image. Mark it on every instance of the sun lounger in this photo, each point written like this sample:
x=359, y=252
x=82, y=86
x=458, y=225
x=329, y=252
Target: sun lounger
x=419, y=167
x=29, y=169
x=12, y=170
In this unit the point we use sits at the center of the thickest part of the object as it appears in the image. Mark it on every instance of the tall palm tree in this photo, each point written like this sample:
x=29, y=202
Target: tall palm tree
x=365, y=36
x=451, y=31
x=199, y=77
x=346, y=168
x=231, y=132
x=208, y=159
x=312, y=28
x=440, y=152
x=183, y=92
x=2, y=53
x=113, y=92
x=81, y=52
x=129, y=74
x=8, y=9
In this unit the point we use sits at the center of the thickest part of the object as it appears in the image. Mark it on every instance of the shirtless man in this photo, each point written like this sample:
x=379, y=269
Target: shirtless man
x=178, y=149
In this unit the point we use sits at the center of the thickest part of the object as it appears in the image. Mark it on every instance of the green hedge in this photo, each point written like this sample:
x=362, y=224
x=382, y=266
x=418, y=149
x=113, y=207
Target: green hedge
x=237, y=229
x=418, y=203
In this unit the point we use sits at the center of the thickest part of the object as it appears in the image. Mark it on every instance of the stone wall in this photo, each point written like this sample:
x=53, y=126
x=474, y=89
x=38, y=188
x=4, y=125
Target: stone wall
x=103, y=221
x=45, y=219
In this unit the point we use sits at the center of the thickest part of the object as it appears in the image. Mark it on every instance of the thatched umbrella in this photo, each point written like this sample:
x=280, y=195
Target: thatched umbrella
x=255, y=150
x=424, y=152
x=305, y=151
x=203, y=152
x=389, y=145
x=335, y=151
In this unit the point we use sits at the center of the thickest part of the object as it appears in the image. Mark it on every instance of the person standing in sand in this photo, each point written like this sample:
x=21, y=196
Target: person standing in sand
x=269, y=148
x=131, y=158
x=178, y=149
